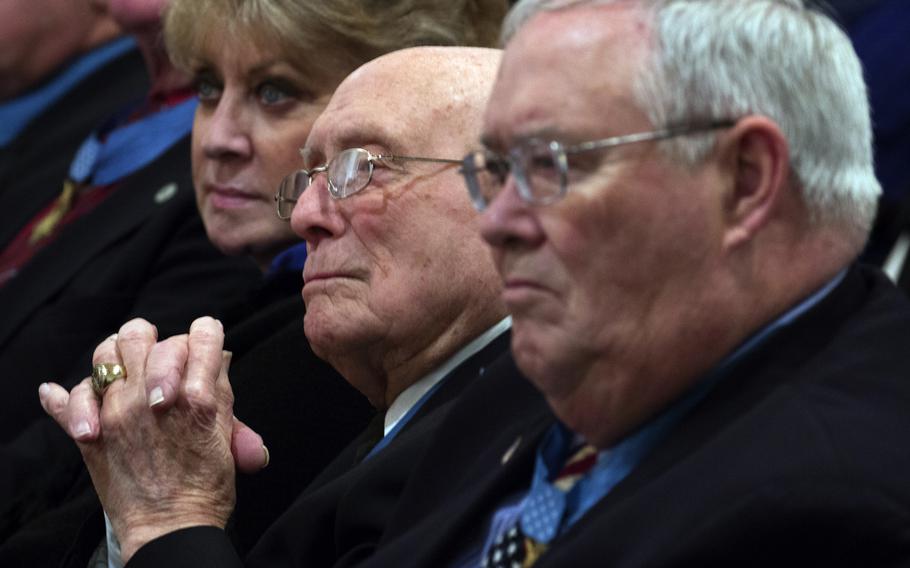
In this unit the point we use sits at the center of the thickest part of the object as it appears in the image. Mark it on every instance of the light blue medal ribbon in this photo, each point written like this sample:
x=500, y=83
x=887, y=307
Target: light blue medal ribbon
x=131, y=147
x=125, y=150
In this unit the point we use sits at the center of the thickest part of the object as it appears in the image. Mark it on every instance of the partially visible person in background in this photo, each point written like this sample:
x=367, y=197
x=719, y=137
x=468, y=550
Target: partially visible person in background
x=64, y=66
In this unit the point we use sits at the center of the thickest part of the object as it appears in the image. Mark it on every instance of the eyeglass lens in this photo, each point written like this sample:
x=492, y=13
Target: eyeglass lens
x=538, y=168
x=349, y=172
x=289, y=191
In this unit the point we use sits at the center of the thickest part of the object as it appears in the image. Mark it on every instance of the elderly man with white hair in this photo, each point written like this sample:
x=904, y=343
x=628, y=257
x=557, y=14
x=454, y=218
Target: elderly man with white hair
x=676, y=192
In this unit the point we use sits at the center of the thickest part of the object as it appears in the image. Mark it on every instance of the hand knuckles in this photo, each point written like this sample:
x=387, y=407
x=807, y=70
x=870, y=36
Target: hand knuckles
x=84, y=386
x=205, y=323
x=58, y=404
x=197, y=396
x=117, y=410
x=104, y=352
x=136, y=333
x=162, y=370
x=114, y=421
x=206, y=336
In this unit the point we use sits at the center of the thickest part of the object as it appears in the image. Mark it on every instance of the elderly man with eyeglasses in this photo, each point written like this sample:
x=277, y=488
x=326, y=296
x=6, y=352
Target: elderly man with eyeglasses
x=676, y=192
x=402, y=298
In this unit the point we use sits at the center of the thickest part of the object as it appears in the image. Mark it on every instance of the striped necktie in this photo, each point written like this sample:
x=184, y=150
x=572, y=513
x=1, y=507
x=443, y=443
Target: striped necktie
x=521, y=544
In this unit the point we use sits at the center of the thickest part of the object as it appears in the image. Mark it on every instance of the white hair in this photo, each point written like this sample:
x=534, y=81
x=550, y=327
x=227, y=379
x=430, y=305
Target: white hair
x=725, y=59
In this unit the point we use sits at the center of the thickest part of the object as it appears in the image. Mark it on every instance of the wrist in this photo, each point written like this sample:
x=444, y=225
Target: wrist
x=138, y=531
x=136, y=538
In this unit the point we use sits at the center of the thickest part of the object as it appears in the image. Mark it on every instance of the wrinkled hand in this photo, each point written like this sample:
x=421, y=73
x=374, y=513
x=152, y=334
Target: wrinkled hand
x=159, y=448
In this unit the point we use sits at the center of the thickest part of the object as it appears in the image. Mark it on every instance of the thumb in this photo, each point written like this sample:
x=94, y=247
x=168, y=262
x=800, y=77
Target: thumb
x=250, y=454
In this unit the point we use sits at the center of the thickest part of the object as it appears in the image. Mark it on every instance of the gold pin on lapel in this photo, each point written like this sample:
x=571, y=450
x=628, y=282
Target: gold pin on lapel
x=48, y=224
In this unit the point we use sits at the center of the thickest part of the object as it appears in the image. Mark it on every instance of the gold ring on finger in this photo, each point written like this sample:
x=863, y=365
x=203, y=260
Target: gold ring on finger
x=103, y=374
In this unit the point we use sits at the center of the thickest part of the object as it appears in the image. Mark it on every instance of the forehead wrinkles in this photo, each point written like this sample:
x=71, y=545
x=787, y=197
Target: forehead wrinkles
x=362, y=125
x=335, y=131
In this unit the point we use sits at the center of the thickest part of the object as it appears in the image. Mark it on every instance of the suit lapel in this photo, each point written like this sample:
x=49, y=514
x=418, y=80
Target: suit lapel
x=125, y=210
x=459, y=485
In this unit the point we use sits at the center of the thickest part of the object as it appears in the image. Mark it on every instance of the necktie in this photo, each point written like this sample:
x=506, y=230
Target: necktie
x=521, y=544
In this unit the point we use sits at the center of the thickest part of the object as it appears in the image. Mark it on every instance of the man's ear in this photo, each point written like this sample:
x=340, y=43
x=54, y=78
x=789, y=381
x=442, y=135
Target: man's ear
x=757, y=153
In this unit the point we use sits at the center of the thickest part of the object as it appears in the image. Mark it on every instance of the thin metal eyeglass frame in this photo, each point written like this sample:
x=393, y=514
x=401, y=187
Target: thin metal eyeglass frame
x=333, y=190
x=560, y=155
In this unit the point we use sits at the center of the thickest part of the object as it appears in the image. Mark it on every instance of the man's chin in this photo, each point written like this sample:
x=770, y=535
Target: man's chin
x=533, y=355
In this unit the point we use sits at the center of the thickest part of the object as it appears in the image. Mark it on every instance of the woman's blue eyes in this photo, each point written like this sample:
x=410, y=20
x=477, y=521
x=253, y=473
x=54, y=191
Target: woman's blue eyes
x=271, y=94
x=206, y=89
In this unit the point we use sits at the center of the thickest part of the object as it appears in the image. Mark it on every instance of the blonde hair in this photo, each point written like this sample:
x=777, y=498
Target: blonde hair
x=328, y=39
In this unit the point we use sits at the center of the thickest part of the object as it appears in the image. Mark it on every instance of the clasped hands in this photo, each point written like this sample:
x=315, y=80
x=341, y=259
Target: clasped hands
x=162, y=445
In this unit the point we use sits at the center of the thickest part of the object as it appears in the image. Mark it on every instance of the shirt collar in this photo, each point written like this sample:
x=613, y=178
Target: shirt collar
x=411, y=395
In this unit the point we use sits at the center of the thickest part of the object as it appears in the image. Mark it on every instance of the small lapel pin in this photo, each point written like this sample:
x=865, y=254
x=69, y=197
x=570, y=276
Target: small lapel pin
x=511, y=451
x=165, y=193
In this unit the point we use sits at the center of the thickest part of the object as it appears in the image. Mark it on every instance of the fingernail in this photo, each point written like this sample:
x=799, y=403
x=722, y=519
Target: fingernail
x=226, y=357
x=82, y=429
x=201, y=321
x=265, y=450
x=43, y=390
x=156, y=397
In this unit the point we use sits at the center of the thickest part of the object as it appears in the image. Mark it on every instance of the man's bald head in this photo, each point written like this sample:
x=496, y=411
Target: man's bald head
x=397, y=277
x=425, y=95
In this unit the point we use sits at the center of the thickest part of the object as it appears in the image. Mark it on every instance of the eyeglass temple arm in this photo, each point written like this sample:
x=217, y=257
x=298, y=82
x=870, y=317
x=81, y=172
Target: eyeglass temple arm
x=436, y=160
x=647, y=136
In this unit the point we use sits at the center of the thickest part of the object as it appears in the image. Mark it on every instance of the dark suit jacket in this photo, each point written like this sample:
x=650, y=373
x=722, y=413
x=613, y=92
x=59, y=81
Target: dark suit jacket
x=34, y=164
x=798, y=458
x=305, y=411
x=341, y=516
x=141, y=253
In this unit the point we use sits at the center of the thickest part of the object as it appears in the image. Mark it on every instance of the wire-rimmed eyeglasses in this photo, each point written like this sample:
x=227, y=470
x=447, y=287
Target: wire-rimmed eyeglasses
x=541, y=167
x=348, y=172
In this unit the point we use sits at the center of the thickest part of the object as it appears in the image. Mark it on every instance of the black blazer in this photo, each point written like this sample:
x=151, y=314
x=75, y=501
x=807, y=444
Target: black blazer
x=141, y=253
x=798, y=458
x=305, y=411
x=341, y=516
x=34, y=164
